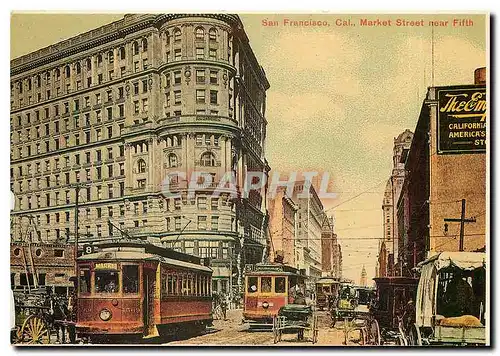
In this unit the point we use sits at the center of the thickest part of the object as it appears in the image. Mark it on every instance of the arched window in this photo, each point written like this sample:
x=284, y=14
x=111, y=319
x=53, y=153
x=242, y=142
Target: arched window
x=144, y=44
x=99, y=60
x=212, y=34
x=177, y=35
x=38, y=81
x=167, y=37
x=67, y=71
x=135, y=47
x=78, y=68
x=175, y=141
x=111, y=57
x=207, y=159
x=169, y=142
x=172, y=160
x=122, y=52
x=89, y=64
x=58, y=73
x=200, y=33
x=141, y=166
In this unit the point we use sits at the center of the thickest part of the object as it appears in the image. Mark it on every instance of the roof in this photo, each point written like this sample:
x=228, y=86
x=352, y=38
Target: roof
x=461, y=260
x=327, y=280
x=142, y=256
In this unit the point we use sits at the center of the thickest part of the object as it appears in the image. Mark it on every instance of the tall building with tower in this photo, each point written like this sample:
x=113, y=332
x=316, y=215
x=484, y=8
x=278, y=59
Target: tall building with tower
x=388, y=246
x=363, y=282
x=146, y=116
x=443, y=202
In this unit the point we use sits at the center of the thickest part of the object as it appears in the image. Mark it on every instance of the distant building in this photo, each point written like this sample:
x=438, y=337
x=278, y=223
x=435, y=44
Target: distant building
x=389, y=245
x=363, y=280
x=329, y=249
x=446, y=163
x=309, y=227
x=282, y=220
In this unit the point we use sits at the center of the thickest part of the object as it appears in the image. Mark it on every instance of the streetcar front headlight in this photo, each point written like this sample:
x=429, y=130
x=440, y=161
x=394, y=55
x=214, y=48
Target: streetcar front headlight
x=265, y=305
x=105, y=315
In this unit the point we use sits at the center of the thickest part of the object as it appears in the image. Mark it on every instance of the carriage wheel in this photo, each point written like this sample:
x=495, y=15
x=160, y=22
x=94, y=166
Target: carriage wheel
x=315, y=329
x=374, y=332
x=35, y=331
x=275, y=329
x=362, y=336
x=414, y=338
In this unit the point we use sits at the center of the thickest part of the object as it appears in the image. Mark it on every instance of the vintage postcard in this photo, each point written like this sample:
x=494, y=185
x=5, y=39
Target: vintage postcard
x=250, y=179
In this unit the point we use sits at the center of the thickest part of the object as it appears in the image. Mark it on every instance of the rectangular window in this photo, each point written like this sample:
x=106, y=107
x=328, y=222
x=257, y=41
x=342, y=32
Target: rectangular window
x=177, y=54
x=215, y=223
x=200, y=96
x=136, y=107
x=144, y=86
x=177, y=77
x=213, y=96
x=145, y=106
x=177, y=97
x=212, y=53
x=200, y=53
x=213, y=77
x=177, y=223
x=136, y=67
x=202, y=222
x=252, y=284
x=202, y=202
x=200, y=76
x=130, y=279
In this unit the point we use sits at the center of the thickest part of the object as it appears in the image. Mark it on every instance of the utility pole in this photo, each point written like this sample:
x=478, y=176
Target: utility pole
x=462, y=222
x=77, y=187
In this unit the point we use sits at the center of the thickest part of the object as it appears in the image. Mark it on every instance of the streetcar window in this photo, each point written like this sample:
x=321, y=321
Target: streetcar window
x=130, y=279
x=279, y=285
x=84, y=281
x=106, y=281
x=252, y=285
x=265, y=284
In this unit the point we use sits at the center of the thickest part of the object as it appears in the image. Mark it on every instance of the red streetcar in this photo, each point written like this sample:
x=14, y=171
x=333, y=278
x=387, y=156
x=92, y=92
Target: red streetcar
x=134, y=288
x=268, y=287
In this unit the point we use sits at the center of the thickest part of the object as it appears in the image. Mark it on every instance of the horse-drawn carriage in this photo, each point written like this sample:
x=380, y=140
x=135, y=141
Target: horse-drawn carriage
x=38, y=315
x=354, y=312
x=295, y=318
x=393, y=307
x=450, y=306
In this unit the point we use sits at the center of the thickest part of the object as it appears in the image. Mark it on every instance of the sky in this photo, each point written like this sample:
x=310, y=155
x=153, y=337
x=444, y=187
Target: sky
x=339, y=96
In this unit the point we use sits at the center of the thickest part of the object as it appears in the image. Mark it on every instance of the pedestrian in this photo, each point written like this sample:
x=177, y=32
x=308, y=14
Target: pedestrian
x=223, y=305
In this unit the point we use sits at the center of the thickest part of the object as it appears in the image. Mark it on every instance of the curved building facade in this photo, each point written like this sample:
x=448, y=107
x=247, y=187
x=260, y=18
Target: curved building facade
x=146, y=115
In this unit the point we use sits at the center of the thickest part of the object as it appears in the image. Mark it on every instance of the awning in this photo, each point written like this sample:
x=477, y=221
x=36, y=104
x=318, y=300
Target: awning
x=220, y=272
x=425, y=306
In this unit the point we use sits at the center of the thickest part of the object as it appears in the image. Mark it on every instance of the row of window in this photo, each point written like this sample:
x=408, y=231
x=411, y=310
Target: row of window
x=76, y=68
x=202, y=248
x=55, y=163
x=176, y=283
x=79, y=85
x=77, y=105
x=58, y=198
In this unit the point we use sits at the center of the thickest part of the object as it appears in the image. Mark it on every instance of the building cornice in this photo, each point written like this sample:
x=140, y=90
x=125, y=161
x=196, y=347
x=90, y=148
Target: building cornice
x=102, y=35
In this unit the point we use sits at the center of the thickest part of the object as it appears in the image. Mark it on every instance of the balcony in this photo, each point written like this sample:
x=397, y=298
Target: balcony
x=198, y=119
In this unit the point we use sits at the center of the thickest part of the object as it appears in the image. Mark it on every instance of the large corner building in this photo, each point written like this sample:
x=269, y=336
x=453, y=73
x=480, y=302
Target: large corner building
x=130, y=110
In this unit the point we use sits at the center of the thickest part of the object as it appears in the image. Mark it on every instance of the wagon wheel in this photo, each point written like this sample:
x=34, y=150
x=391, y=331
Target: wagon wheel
x=275, y=329
x=414, y=337
x=315, y=330
x=35, y=331
x=362, y=336
x=374, y=333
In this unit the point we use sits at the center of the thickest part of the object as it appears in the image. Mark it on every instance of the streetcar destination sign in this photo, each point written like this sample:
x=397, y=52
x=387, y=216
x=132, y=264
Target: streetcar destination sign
x=461, y=121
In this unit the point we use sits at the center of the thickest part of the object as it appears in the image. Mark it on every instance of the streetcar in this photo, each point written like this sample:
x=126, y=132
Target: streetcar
x=394, y=307
x=268, y=287
x=136, y=289
x=327, y=290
